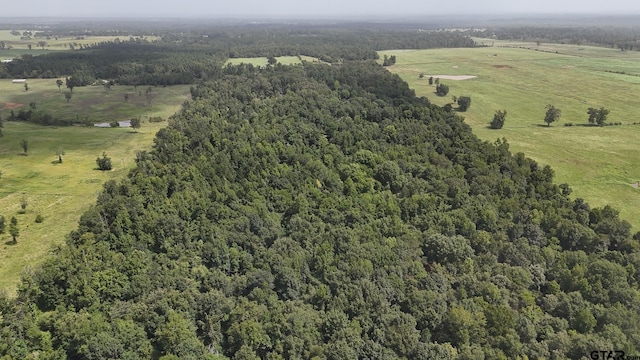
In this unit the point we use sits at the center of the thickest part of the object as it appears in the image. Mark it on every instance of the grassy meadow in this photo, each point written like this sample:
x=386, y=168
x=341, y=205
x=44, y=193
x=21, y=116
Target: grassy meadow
x=263, y=61
x=62, y=192
x=600, y=164
x=15, y=46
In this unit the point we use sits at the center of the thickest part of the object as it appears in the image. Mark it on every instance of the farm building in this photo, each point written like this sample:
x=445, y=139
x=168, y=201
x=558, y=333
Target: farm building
x=19, y=81
x=6, y=61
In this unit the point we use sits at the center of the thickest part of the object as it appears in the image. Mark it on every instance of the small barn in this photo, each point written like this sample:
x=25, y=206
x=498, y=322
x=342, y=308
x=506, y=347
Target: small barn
x=19, y=81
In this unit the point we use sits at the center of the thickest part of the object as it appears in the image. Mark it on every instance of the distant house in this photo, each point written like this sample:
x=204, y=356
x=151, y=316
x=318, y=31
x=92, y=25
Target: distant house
x=19, y=81
x=6, y=61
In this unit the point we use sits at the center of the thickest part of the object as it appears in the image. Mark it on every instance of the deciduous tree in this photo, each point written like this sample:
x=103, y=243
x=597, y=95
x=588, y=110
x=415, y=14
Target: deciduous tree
x=598, y=116
x=552, y=114
x=14, y=231
x=498, y=119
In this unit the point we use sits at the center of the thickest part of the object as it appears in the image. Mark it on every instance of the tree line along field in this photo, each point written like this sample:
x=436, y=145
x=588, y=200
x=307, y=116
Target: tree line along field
x=62, y=192
x=89, y=104
x=599, y=163
x=20, y=45
x=264, y=61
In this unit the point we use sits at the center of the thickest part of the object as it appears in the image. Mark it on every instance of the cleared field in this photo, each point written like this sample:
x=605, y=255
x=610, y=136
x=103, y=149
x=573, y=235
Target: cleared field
x=62, y=192
x=94, y=103
x=17, y=43
x=600, y=164
x=263, y=61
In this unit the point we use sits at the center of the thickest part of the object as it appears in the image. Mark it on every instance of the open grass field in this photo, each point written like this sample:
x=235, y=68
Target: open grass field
x=262, y=61
x=62, y=192
x=15, y=46
x=94, y=103
x=600, y=164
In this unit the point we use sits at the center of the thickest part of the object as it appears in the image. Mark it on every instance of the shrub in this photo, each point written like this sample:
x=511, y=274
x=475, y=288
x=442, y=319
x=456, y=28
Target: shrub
x=39, y=218
x=104, y=163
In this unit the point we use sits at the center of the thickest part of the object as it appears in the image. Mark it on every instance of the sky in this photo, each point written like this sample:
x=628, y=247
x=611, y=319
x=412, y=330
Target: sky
x=308, y=8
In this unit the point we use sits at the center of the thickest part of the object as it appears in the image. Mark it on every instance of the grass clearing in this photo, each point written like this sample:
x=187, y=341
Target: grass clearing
x=62, y=192
x=522, y=78
x=15, y=46
x=263, y=61
x=94, y=103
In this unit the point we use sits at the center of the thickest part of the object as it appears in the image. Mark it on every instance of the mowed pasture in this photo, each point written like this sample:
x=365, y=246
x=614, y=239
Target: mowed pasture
x=93, y=103
x=600, y=164
x=15, y=46
x=62, y=192
x=263, y=61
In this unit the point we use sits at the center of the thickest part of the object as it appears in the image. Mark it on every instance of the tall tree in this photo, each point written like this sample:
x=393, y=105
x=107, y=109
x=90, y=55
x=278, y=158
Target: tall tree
x=14, y=231
x=70, y=84
x=25, y=145
x=59, y=83
x=552, y=114
x=442, y=90
x=498, y=119
x=598, y=116
x=463, y=103
x=136, y=123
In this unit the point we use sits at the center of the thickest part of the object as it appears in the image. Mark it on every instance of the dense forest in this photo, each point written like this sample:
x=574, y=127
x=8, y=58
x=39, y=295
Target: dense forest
x=325, y=212
x=185, y=58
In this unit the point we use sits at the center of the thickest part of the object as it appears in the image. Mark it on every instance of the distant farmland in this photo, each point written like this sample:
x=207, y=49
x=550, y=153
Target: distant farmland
x=600, y=164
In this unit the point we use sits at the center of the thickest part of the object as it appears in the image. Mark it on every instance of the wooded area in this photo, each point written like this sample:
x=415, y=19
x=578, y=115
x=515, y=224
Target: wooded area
x=324, y=211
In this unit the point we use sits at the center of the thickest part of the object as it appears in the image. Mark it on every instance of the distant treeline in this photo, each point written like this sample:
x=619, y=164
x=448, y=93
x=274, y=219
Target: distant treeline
x=185, y=58
x=627, y=38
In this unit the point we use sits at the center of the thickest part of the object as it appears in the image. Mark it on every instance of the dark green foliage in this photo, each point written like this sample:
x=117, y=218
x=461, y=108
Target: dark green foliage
x=598, y=116
x=389, y=60
x=14, y=231
x=442, y=89
x=136, y=123
x=104, y=163
x=552, y=114
x=498, y=119
x=24, y=144
x=463, y=103
x=325, y=211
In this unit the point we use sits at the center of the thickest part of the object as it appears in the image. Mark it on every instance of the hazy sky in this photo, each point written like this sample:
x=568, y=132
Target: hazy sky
x=307, y=8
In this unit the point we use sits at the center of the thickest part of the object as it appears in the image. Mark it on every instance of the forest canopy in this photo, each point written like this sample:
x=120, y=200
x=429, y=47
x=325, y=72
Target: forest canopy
x=324, y=211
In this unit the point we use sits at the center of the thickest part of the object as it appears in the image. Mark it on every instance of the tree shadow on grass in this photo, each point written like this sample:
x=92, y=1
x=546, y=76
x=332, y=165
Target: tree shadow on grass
x=11, y=242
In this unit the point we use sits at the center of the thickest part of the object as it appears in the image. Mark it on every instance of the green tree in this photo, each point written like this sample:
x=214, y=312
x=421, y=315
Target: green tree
x=3, y=224
x=442, y=89
x=598, y=116
x=25, y=145
x=59, y=83
x=463, y=103
x=271, y=60
x=42, y=44
x=26, y=87
x=104, y=163
x=552, y=114
x=13, y=229
x=136, y=123
x=68, y=95
x=498, y=119
x=70, y=85
x=149, y=94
